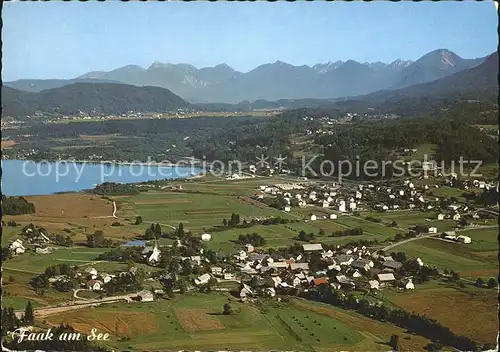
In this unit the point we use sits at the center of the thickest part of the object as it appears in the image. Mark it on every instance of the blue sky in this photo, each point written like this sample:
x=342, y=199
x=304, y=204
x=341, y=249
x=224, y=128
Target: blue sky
x=65, y=40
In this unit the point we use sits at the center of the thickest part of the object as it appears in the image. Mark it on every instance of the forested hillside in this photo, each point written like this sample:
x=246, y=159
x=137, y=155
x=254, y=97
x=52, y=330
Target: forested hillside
x=90, y=98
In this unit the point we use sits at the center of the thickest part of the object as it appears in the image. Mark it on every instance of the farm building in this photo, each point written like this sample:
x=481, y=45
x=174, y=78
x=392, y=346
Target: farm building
x=463, y=239
x=299, y=266
x=374, y=284
x=312, y=247
x=145, y=296
x=392, y=264
x=203, y=279
x=383, y=278
x=17, y=247
x=93, y=285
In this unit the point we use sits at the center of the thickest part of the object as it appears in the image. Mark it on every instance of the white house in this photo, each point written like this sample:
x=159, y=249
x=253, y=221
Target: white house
x=145, y=296
x=456, y=217
x=17, y=247
x=356, y=274
x=333, y=216
x=463, y=239
x=352, y=206
x=216, y=270
x=154, y=258
x=299, y=266
x=312, y=217
x=440, y=217
x=206, y=237
x=106, y=278
x=270, y=291
x=288, y=208
x=326, y=204
x=91, y=272
x=383, y=278
x=433, y=229
x=312, y=247
x=420, y=262
x=358, y=195
x=94, y=285
x=374, y=284
x=409, y=285
x=245, y=292
x=229, y=276
x=203, y=279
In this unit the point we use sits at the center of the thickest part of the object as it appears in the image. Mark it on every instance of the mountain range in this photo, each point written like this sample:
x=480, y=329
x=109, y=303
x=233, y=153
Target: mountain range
x=274, y=81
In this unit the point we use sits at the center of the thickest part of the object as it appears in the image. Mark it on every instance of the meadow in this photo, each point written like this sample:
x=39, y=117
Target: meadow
x=195, y=321
x=196, y=211
x=477, y=317
x=452, y=256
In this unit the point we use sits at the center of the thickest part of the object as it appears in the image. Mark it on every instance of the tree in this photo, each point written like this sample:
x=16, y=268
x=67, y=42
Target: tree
x=394, y=342
x=157, y=230
x=321, y=232
x=181, y=284
x=394, y=224
x=29, y=317
x=479, y=282
x=224, y=222
x=180, y=230
x=492, y=283
x=227, y=309
x=138, y=220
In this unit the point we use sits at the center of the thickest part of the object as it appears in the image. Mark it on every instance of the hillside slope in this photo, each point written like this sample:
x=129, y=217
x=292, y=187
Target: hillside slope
x=90, y=98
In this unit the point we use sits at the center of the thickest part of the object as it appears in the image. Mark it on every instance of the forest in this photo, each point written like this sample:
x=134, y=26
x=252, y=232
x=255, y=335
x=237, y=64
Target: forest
x=16, y=206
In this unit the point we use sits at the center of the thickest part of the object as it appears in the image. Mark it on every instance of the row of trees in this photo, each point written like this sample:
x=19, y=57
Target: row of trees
x=357, y=231
x=97, y=240
x=417, y=323
x=254, y=239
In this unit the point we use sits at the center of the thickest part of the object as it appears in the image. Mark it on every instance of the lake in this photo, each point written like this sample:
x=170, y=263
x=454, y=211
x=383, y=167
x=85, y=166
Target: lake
x=24, y=177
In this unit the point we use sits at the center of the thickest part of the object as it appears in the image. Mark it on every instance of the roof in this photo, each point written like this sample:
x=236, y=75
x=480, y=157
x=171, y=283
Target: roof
x=343, y=258
x=359, y=263
x=320, y=280
x=392, y=264
x=304, y=266
x=386, y=277
x=312, y=247
x=203, y=277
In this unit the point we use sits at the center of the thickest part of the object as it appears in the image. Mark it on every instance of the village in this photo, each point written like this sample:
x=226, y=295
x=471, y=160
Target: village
x=271, y=272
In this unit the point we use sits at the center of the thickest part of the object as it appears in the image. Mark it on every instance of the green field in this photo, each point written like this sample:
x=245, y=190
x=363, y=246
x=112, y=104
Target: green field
x=381, y=231
x=195, y=321
x=195, y=211
x=406, y=219
x=283, y=234
x=36, y=263
x=456, y=256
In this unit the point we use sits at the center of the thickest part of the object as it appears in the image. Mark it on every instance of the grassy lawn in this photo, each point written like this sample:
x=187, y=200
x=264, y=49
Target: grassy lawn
x=9, y=234
x=449, y=256
x=380, y=230
x=19, y=291
x=195, y=211
x=452, y=306
x=195, y=321
x=405, y=218
x=36, y=263
x=482, y=239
